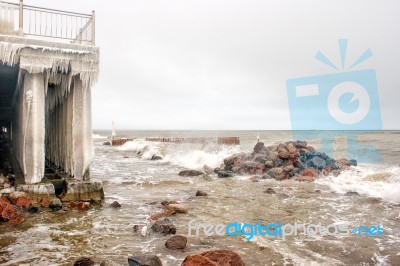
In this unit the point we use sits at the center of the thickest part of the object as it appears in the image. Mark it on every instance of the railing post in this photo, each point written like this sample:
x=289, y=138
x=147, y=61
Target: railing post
x=21, y=18
x=93, y=28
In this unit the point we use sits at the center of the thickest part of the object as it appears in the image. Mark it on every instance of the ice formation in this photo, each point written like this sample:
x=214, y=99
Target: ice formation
x=53, y=107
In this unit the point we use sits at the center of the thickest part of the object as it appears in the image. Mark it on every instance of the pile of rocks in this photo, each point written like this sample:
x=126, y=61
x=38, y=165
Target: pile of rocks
x=292, y=159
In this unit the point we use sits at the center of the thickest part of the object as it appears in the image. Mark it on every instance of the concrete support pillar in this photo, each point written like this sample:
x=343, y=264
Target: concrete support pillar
x=32, y=133
x=82, y=139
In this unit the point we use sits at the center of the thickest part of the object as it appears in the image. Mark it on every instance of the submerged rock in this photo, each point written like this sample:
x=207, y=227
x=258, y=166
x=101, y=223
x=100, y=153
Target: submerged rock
x=201, y=193
x=352, y=193
x=164, y=226
x=84, y=261
x=223, y=174
x=115, y=204
x=269, y=191
x=156, y=157
x=176, y=242
x=144, y=260
x=190, y=173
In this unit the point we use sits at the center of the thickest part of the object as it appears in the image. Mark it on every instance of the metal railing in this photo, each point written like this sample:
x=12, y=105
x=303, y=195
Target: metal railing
x=42, y=23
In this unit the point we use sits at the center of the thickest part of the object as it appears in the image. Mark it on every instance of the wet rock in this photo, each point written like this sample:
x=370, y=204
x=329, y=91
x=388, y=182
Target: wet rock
x=55, y=204
x=107, y=143
x=201, y=193
x=115, y=204
x=23, y=202
x=223, y=174
x=267, y=176
x=261, y=158
x=305, y=179
x=198, y=260
x=164, y=226
x=224, y=257
x=291, y=148
x=317, y=191
x=250, y=164
x=108, y=263
x=216, y=170
x=353, y=162
x=269, y=191
x=207, y=169
x=79, y=205
x=44, y=203
x=269, y=164
x=317, y=162
x=84, y=261
x=144, y=260
x=352, y=193
x=235, y=157
x=176, y=242
x=277, y=162
x=190, y=173
x=277, y=171
x=259, y=148
x=310, y=172
x=176, y=207
x=288, y=168
x=255, y=178
x=156, y=157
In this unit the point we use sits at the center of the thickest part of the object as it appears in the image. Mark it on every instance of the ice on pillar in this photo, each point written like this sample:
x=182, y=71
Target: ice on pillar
x=82, y=142
x=33, y=128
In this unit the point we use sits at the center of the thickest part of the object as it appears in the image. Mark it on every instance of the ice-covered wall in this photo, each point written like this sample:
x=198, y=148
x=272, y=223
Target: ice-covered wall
x=53, y=107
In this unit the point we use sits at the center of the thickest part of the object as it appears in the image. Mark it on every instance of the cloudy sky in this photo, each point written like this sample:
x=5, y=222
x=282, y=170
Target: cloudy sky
x=223, y=64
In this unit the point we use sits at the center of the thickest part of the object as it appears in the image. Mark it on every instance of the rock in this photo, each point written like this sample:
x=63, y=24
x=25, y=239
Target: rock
x=277, y=170
x=277, y=162
x=352, y=193
x=267, y=176
x=144, y=260
x=107, y=143
x=301, y=144
x=176, y=207
x=261, y=158
x=269, y=191
x=176, y=242
x=288, y=168
x=207, y=169
x=353, y=162
x=269, y=164
x=44, y=203
x=190, y=173
x=18, y=194
x=23, y=202
x=198, y=260
x=310, y=172
x=283, y=152
x=343, y=162
x=84, y=261
x=254, y=178
x=291, y=148
x=216, y=170
x=201, y=193
x=224, y=257
x=55, y=204
x=164, y=226
x=250, y=164
x=156, y=157
x=235, y=157
x=223, y=174
x=305, y=178
x=259, y=147
x=108, y=263
x=115, y=204
x=318, y=162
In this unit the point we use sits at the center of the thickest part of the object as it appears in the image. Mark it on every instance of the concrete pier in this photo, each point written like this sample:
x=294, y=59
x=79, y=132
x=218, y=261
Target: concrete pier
x=45, y=109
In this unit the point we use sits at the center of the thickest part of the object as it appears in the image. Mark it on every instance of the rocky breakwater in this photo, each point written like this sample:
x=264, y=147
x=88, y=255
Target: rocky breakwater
x=289, y=160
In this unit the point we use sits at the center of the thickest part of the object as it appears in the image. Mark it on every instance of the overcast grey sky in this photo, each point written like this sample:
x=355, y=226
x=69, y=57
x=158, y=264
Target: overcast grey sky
x=223, y=64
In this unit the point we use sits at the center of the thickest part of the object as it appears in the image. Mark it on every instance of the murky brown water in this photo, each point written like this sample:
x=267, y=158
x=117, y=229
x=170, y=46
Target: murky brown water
x=103, y=233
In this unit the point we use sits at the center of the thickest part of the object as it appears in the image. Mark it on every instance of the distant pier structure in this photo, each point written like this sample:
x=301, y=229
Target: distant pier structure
x=48, y=66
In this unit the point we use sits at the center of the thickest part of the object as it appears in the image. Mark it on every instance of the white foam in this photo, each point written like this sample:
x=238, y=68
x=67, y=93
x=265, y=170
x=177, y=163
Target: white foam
x=368, y=180
x=97, y=136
